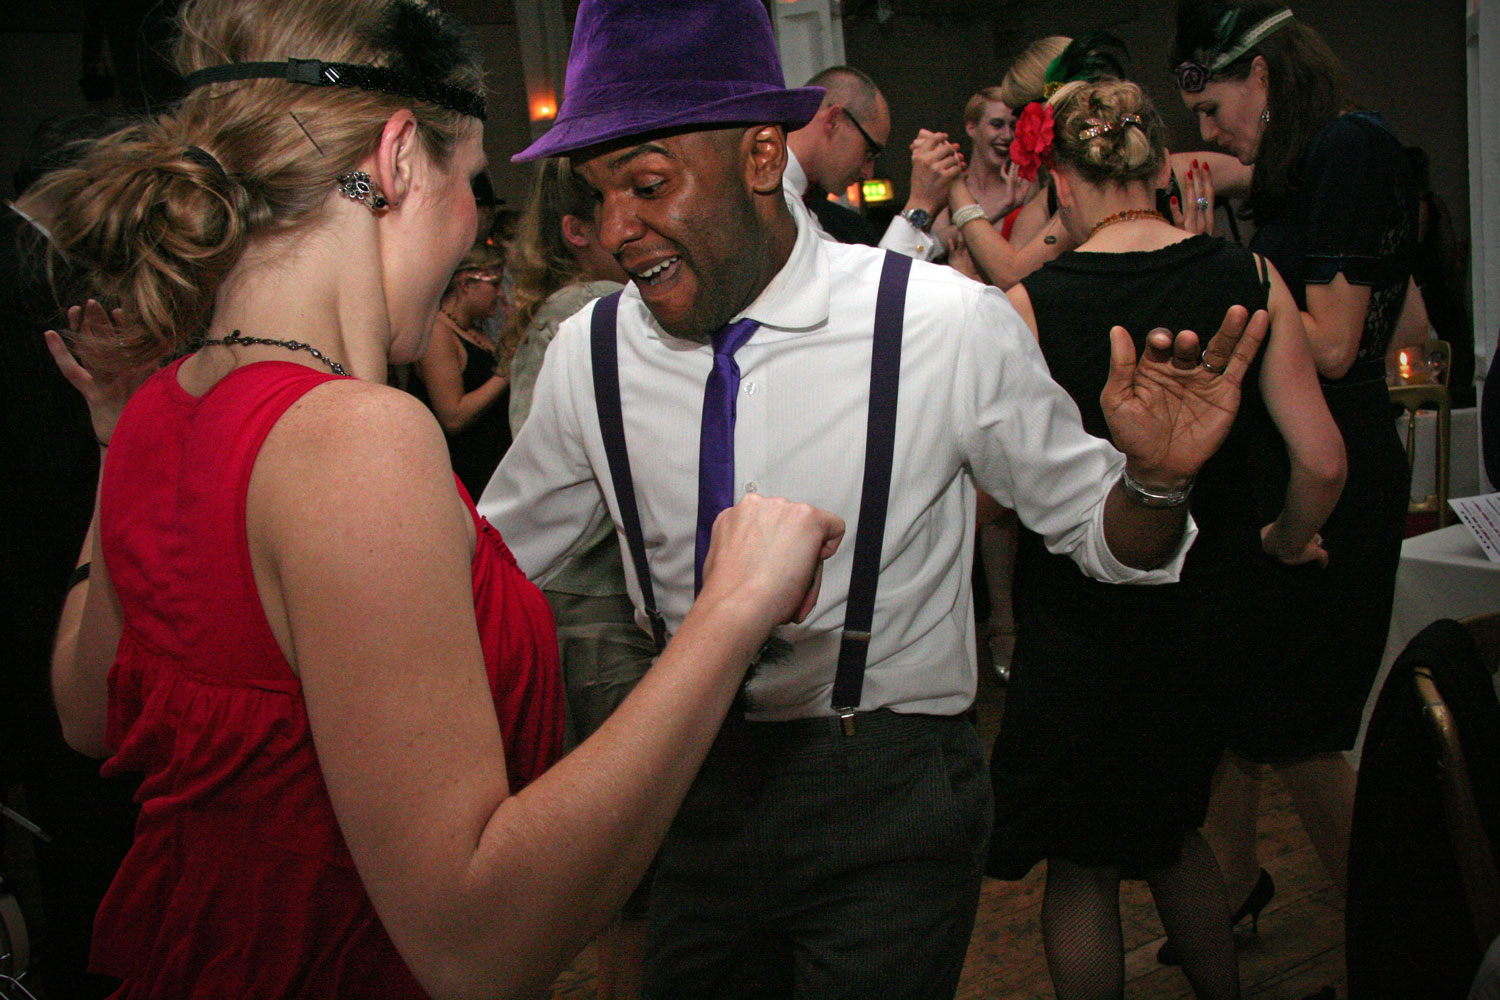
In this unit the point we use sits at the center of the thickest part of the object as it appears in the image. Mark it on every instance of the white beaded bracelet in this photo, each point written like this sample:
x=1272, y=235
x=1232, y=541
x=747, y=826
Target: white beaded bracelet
x=967, y=214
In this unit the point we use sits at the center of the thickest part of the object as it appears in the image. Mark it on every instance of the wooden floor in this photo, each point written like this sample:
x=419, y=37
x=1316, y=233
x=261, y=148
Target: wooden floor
x=1299, y=950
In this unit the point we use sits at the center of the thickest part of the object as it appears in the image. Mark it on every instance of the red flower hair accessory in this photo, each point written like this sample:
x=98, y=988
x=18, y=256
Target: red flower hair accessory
x=1032, y=146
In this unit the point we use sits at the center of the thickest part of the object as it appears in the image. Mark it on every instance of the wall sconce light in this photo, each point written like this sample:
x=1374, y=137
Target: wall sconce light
x=543, y=108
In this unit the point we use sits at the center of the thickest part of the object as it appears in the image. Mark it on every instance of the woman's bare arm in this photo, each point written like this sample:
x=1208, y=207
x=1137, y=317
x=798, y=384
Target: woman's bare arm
x=89, y=628
x=1335, y=320
x=442, y=372
x=1002, y=262
x=366, y=550
x=1289, y=385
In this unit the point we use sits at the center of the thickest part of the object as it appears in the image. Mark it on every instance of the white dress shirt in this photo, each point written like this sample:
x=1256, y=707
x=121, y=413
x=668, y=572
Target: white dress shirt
x=976, y=405
x=900, y=236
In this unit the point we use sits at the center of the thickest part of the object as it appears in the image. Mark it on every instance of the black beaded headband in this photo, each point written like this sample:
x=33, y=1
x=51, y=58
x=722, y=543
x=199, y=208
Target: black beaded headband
x=316, y=73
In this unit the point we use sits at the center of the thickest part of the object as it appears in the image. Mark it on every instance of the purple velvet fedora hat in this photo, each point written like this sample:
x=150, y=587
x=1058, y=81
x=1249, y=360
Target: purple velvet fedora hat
x=641, y=66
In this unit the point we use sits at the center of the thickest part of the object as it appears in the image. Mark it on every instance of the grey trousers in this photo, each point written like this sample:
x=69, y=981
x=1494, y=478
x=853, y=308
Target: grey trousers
x=808, y=863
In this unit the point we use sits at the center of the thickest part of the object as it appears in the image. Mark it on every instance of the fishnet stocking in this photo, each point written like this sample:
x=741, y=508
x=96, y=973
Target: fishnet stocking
x=1189, y=898
x=1081, y=931
x=1081, y=925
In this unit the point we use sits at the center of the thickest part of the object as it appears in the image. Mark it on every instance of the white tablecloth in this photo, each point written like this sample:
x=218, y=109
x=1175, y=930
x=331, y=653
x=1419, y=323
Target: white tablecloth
x=1443, y=574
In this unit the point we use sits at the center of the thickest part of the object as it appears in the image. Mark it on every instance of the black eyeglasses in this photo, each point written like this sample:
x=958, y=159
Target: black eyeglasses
x=873, y=148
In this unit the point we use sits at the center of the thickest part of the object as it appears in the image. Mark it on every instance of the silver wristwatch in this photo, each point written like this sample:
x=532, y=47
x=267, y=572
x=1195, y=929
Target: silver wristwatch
x=919, y=217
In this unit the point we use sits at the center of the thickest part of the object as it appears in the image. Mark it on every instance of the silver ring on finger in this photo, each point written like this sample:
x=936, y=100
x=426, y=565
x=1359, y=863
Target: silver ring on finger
x=1203, y=204
x=1203, y=363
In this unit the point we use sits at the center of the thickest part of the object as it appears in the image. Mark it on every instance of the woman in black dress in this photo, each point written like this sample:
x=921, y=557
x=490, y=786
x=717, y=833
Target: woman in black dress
x=1332, y=199
x=463, y=382
x=1114, y=716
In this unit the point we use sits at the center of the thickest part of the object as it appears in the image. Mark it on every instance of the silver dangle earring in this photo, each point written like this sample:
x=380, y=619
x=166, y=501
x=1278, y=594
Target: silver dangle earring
x=1265, y=114
x=356, y=186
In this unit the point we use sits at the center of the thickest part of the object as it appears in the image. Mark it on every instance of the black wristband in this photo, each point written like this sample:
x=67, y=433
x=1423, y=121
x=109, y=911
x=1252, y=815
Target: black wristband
x=80, y=573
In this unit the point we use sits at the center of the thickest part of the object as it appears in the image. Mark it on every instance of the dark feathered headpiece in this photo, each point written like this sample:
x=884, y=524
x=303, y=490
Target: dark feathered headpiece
x=1088, y=57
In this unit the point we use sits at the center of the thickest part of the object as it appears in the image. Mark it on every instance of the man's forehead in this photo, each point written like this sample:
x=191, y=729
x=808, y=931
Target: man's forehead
x=699, y=145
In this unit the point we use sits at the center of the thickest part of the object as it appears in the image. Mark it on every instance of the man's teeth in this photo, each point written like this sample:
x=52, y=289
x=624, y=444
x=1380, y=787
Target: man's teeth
x=652, y=272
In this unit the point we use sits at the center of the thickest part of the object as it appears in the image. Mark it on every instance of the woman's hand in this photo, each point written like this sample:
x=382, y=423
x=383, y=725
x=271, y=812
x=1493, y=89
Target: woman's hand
x=1274, y=545
x=106, y=397
x=1014, y=188
x=1197, y=216
x=768, y=553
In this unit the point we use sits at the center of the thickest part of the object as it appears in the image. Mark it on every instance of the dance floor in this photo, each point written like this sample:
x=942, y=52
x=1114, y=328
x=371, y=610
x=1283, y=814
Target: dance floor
x=1299, y=951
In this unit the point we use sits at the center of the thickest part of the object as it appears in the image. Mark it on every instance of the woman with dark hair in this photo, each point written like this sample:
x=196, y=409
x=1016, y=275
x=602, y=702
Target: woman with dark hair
x=1113, y=726
x=341, y=690
x=1332, y=199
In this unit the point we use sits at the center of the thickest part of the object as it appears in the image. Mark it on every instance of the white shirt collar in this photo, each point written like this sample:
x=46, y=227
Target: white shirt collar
x=797, y=298
x=794, y=178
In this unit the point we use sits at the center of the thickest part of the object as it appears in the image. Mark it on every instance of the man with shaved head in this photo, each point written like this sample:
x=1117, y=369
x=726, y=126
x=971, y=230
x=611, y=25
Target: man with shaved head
x=839, y=147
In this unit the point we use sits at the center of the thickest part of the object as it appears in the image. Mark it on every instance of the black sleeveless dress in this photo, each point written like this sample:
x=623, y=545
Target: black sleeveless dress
x=477, y=449
x=1352, y=211
x=1119, y=696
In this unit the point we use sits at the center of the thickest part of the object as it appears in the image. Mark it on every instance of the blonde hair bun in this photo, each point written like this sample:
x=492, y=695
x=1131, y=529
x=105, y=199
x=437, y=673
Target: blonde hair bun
x=1108, y=131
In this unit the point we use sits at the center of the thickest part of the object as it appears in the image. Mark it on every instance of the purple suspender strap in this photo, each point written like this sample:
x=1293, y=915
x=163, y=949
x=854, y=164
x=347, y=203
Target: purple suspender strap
x=612, y=425
x=880, y=449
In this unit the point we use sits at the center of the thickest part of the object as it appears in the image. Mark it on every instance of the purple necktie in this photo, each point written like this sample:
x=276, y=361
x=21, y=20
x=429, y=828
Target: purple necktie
x=716, y=442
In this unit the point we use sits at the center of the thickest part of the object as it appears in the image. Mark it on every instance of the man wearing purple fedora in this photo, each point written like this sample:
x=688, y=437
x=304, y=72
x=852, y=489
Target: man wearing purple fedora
x=833, y=843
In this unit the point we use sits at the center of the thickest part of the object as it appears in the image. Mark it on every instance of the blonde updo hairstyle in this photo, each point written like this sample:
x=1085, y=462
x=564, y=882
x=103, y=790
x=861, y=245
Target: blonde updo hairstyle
x=1026, y=80
x=1121, y=153
x=158, y=225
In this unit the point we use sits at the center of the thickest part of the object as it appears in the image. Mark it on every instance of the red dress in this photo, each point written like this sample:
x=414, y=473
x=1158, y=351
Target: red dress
x=239, y=883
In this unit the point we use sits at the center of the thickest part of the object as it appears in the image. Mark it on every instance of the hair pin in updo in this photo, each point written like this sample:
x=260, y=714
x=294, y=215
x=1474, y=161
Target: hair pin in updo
x=1095, y=127
x=204, y=158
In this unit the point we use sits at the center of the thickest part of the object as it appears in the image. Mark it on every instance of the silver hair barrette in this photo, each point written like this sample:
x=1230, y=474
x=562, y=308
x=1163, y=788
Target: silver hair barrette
x=1095, y=127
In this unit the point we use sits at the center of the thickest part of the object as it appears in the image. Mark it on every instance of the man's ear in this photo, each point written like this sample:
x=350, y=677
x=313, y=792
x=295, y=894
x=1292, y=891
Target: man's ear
x=828, y=118
x=765, y=158
x=394, y=159
x=575, y=232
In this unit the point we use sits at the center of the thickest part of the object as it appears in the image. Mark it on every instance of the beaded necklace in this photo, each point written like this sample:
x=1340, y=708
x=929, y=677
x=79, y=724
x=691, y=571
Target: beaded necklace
x=1126, y=216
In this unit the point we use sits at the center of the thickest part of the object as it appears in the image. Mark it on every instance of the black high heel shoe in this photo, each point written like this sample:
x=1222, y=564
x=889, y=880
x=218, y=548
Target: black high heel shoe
x=1259, y=896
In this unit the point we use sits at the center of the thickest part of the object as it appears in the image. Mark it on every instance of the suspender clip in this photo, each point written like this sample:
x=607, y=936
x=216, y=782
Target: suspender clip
x=854, y=635
x=846, y=716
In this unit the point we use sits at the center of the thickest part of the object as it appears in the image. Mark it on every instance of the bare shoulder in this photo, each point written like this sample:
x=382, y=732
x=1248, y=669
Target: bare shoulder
x=350, y=410
x=360, y=439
